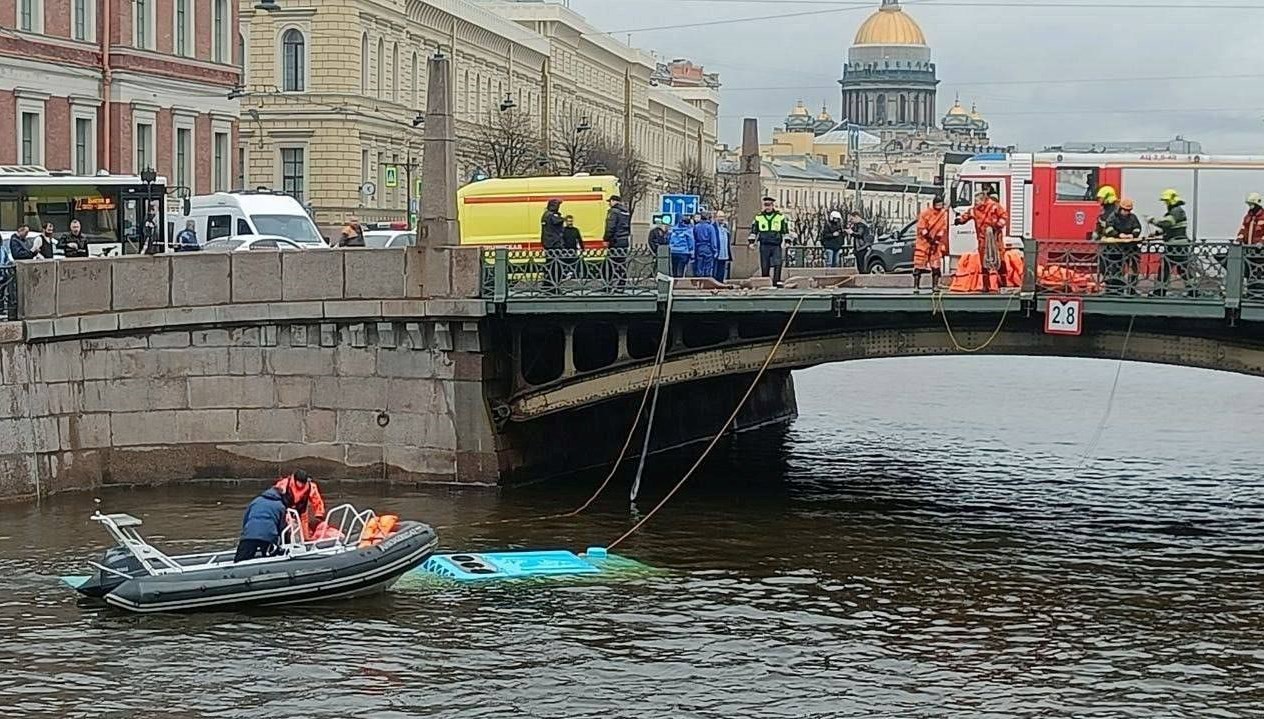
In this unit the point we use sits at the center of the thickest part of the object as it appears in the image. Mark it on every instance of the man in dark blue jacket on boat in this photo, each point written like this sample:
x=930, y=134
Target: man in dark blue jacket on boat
x=262, y=524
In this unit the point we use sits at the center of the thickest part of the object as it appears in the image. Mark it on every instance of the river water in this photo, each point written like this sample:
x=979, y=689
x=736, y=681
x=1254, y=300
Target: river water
x=932, y=538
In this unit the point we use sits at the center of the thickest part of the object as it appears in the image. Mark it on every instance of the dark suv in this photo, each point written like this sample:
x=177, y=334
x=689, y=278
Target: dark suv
x=892, y=252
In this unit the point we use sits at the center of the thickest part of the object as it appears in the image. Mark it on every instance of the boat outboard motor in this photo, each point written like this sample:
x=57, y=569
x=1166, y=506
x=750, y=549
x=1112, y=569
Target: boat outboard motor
x=102, y=582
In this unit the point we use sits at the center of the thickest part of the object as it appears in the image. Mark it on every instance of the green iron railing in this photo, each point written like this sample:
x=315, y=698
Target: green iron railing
x=535, y=274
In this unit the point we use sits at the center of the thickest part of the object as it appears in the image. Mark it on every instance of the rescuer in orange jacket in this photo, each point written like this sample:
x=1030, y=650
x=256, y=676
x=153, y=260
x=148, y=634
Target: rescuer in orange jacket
x=1252, y=232
x=304, y=498
x=990, y=220
x=931, y=245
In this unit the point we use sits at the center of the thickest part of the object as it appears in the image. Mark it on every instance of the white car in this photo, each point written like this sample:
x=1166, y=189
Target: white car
x=253, y=243
x=389, y=238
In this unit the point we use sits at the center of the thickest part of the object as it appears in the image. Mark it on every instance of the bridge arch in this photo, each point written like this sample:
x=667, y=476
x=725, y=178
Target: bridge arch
x=1151, y=343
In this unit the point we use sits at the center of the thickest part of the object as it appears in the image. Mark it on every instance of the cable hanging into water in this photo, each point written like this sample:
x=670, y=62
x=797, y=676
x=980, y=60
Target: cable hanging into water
x=1095, y=441
x=720, y=434
x=651, y=386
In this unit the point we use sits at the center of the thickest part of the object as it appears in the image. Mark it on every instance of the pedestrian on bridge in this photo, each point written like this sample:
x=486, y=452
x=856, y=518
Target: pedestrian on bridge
x=618, y=237
x=833, y=232
x=931, y=245
x=681, y=243
x=724, y=256
x=706, y=245
x=1175, y=236
x=552, y=238
x=770, y=229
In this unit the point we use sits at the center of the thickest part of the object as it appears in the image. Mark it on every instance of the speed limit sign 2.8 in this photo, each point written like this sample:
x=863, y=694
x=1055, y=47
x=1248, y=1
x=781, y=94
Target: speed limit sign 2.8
x=1064, y=316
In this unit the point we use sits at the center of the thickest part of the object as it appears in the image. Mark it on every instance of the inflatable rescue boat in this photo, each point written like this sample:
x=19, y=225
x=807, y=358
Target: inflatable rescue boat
x=357, y=554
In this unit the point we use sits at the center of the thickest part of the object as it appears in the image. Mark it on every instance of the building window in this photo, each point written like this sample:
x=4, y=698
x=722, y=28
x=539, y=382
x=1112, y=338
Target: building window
x=144, y=146
x=364, y=64
x=219, y=29
x=83, y=146
x=32, y=145
x=31, y=15
x=364, y=167
x=416, y=84
x=241, y=53
x=184, y=150
x=241, y=167
x=184, y=29
x=381, y=67
x=293, y=57
x=220, y=168
x=395, y=73
x=292, y=172
x=84, y=20
x=143, y=22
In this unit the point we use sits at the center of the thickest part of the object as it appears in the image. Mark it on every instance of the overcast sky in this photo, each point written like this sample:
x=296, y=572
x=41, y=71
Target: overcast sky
x=1004, y=57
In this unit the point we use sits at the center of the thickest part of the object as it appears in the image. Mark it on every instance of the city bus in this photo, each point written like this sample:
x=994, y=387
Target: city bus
x=111, y=208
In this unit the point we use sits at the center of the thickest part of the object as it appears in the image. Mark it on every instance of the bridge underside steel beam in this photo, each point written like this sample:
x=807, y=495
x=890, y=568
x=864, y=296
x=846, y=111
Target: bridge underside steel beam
x=1220, y=353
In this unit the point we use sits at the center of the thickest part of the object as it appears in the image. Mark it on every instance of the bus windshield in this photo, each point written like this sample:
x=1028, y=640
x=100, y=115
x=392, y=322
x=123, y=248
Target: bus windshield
x=296, y=227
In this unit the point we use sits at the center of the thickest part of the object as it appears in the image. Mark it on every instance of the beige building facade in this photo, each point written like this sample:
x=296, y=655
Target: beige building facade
x=334, y=91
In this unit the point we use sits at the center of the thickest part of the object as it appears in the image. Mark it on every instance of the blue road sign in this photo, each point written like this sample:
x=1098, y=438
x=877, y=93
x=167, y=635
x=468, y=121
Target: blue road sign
x=677, y=205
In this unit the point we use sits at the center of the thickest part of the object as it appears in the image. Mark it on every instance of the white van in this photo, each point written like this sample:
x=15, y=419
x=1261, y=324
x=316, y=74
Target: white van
x=251, y=212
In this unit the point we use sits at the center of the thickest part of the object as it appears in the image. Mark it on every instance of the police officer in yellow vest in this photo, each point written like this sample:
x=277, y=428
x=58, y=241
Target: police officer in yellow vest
x=769, y=229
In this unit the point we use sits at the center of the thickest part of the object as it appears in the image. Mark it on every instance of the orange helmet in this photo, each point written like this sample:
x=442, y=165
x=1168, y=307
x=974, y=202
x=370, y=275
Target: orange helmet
x=1126, y=204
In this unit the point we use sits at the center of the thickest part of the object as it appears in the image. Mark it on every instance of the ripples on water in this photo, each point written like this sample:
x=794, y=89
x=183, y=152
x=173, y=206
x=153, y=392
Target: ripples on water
x=918, y=544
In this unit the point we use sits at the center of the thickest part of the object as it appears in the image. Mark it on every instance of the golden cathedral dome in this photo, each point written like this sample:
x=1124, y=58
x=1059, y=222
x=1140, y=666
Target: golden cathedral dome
x=957, y=109
x=890, y=25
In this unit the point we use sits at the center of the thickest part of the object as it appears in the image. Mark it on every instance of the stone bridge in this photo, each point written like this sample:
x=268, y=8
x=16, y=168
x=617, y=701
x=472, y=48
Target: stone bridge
x=451, y=365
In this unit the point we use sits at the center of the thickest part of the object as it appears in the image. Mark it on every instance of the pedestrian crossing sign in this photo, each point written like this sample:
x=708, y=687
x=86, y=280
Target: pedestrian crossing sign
x=392, y=177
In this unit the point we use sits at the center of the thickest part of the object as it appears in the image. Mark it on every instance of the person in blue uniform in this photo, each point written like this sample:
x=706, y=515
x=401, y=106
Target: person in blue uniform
x=262, y=524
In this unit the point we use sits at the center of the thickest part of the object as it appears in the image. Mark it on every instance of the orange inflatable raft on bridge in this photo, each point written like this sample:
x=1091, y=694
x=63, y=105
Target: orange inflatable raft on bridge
x=1053, y=277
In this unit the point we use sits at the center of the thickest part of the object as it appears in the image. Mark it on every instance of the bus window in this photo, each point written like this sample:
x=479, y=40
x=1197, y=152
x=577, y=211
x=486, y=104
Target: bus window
x=993, y=189
x=1076, y=184
x=218, y=226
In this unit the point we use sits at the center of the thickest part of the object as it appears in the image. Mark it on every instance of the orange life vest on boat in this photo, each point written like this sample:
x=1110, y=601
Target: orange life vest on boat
x=377, y=529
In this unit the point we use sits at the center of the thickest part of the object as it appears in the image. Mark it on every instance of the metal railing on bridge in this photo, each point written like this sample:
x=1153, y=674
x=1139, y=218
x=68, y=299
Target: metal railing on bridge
x=517, y=274
x=1197, y=270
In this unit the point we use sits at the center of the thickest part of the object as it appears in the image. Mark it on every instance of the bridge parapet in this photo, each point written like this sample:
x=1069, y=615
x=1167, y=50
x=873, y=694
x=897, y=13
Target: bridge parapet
x=134, y=293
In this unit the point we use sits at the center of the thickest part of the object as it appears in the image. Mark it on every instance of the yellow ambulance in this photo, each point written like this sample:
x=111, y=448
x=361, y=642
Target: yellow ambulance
x=505, y=212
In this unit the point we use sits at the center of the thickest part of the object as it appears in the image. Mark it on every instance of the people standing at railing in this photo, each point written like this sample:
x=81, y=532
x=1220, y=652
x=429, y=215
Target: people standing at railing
x=1109, y=201
x=1252, y=232
x=552, y=227
x=1175, y=237
x=724, y=253
x=187, y=239
x=860, y=236
x=931, y=245
x=20, y=244
x=831, y=239
x=680, y=242
x=990, y=220
x=769, y=230
x=1120, y=258
x=618, y=237
x=42, y=245
x=660, y=233
x=706, y=245
x=74, y=243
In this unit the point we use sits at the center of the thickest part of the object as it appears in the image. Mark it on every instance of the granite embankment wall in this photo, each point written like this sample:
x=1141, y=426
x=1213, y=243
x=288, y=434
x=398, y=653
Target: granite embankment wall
x=154, y=369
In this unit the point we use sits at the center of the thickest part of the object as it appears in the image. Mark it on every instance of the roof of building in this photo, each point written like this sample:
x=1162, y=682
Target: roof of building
x=890, y=25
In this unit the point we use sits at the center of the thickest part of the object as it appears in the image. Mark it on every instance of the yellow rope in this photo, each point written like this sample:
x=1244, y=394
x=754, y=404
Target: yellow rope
x=937, y=306
x=716, y=439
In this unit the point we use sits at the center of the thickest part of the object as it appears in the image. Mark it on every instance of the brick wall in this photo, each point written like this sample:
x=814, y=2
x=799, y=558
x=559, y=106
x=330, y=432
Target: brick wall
x=8, y=123
x=57, y=18
x=204, y=152
x=164, y=21
x=57, y=136
x=163, y=146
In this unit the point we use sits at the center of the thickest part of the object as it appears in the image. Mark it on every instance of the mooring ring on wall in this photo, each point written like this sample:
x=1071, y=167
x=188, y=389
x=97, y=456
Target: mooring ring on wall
x=383, y=419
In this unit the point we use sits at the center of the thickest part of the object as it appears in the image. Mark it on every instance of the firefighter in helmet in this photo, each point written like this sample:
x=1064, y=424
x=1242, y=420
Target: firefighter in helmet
x=1172, y=229
x=1109, y=200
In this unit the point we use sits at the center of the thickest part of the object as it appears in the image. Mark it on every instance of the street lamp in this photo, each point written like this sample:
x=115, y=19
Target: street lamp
x=508, y=103
x=419, y=119
x=583, y=125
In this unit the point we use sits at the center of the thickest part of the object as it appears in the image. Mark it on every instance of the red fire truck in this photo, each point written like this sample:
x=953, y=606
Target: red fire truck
x=1053, y=195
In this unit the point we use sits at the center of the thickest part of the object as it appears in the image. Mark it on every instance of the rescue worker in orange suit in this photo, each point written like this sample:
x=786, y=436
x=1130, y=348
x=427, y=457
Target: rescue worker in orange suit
x=304, y=498
x=990, y=220
x=931, y=245
x=1252, y=232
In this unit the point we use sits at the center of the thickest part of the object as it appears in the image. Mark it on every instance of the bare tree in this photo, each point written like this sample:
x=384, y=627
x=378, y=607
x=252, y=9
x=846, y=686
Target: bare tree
x=573, y=145
x=506, y=145
x=610, y=156
x=726, y=192
x=693, y=179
